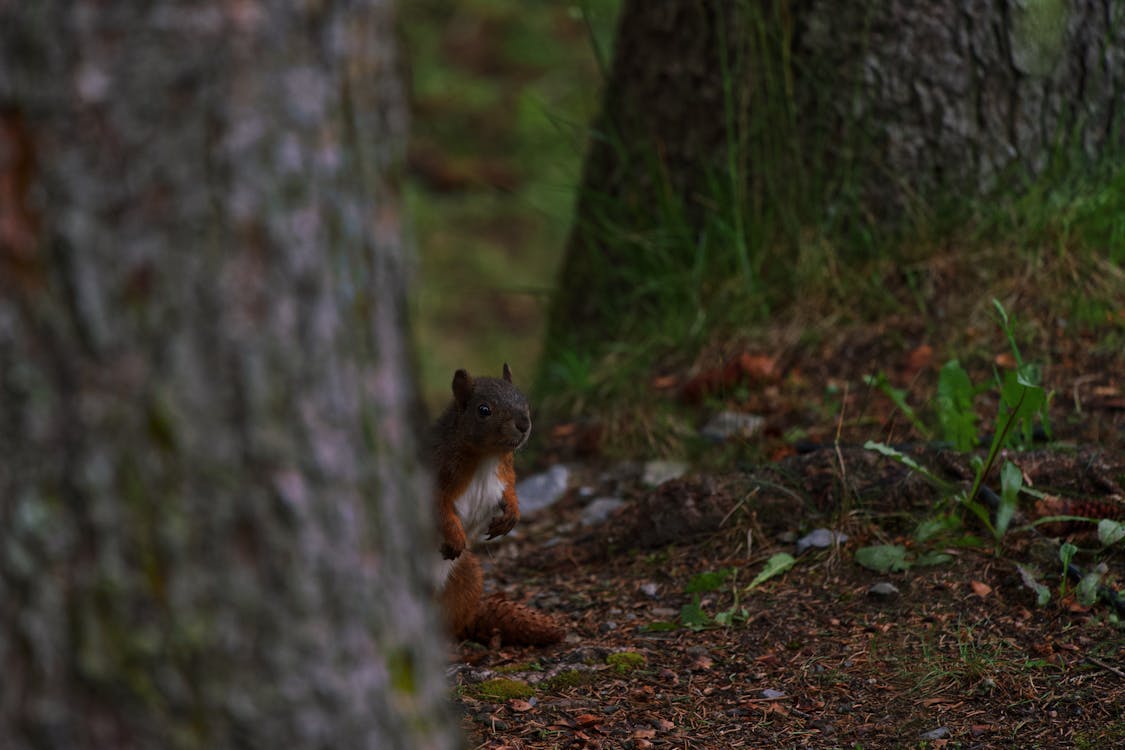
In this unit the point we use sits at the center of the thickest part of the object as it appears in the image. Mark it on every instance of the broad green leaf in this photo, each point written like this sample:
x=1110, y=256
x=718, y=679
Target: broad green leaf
x=955, y=411
x=776, y=565
x=882, y=558
x=1110, y=532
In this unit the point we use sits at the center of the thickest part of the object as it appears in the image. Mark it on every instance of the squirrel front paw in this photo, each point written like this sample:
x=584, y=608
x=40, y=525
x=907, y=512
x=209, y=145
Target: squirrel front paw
x=451, y=552
x=504, y=522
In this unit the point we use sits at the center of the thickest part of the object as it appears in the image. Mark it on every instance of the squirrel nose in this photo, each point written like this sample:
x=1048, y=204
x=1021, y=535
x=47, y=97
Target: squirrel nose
x=523, y=423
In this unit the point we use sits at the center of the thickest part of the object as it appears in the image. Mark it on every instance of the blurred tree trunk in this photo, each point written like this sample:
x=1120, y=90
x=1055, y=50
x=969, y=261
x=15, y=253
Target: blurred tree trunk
x=211, y=510
x=822, y=105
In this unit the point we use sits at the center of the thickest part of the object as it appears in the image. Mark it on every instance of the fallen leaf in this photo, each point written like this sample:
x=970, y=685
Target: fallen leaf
x=980, y=589
x=1005, y=360
x=519, y=705
x=920, y=358
x=587, y=720
x=644, y=734
x=664, y=382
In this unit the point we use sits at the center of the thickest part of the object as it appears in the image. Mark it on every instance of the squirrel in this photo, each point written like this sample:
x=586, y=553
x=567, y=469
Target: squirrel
x=472, y=446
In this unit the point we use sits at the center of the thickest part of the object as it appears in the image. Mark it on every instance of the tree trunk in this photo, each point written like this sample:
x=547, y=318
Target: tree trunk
x=812, y=108
x=211, y=508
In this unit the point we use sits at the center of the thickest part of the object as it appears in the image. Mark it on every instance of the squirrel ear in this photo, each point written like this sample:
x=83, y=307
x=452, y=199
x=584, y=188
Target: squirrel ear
x=507, y=372
x=462, y=386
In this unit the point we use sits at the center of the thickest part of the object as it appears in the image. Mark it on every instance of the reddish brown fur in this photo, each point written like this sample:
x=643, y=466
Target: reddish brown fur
x=458, y=451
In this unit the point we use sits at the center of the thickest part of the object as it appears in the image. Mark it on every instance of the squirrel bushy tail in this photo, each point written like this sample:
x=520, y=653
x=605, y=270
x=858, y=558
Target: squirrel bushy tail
x=471, y=616
x=514, y=624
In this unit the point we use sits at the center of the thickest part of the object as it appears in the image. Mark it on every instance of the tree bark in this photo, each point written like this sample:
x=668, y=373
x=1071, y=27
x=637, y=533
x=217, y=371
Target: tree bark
x=211, y=507
x=818, y=107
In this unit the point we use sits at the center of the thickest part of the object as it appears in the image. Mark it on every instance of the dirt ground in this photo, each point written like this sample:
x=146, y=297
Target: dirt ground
x=667, y=648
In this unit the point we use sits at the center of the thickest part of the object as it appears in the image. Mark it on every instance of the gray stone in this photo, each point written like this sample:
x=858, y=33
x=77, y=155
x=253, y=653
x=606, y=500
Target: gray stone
x=659, y=472
x=728, y=424
x=650, y=589
x=599, y=510
x=935, y=734
x=541, y=491
x=883, y=589
x=770, y=693
x=819, y=539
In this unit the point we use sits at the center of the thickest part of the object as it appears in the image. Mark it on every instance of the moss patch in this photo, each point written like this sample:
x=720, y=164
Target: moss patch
x=625, y=661
x=569, y=678
x=502, y=689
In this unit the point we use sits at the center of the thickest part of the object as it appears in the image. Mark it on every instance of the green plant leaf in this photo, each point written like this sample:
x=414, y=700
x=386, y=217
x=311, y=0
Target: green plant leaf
x=930, y=527
x=882, y=558
x=776, y=565
x=1110, y=532
x=955, y=411
x=1011, y=479
x=907, y=461
x=879, y=381
x=978, y=509
x=728, y=618
x=1067, y=551
x=1009, y=331
x=711, y=580
x=1087, y=588
x=1042, y=593
x=933, y=558
x=692, y=615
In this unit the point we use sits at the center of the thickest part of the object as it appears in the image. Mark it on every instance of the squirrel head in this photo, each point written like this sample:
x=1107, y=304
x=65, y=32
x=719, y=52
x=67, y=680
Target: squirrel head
x=491, y=413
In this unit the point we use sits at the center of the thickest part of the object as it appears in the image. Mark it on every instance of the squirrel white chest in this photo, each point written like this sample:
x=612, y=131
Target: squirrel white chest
x=478, y=504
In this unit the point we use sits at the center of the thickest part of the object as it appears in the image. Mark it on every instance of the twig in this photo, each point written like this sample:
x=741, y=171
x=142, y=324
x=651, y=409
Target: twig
x=1107, y=667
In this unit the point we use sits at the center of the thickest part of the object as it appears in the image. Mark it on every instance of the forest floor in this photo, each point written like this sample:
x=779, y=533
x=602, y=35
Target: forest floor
x=668, y=647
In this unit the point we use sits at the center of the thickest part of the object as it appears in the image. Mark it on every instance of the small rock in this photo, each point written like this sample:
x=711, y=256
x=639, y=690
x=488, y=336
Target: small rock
x=728, y=424
x=819, y=539
x=607, y=626
x=934, y=734
x=883, y=589
x=541, y=491
x=770, y=694
x=599, y=510
x=650, y=589
x=658, y=472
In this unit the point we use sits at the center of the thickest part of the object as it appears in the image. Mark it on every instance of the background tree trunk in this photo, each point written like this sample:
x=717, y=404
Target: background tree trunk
x=812, y=106
x=211, y=509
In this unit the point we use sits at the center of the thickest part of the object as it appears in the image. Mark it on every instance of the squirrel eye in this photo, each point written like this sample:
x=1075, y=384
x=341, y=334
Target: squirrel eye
x=483, y=410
